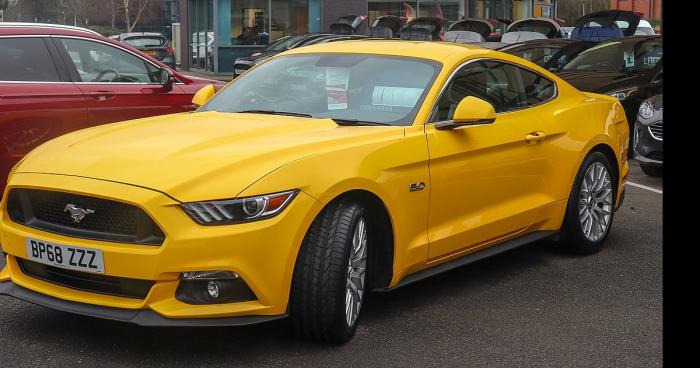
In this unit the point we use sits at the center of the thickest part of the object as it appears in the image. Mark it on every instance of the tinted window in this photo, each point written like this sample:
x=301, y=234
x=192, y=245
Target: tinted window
x=507, y=87
x=26, y=60
x=380, y=89
x=537, y=55
x=619, y=56
x=97, y=62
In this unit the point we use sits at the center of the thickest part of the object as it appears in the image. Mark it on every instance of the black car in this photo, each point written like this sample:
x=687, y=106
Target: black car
x=386, y=26
x=424, y=29
x=629, y=69
x=242, y=64
x=549, y=54
x=649, y=136
x=152, y=44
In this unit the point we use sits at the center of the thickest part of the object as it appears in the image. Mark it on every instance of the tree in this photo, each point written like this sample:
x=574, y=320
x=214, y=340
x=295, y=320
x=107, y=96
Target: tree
x=136, y=5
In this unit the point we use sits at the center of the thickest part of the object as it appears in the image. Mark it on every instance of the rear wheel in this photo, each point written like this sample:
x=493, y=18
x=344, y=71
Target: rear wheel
x=652, y=170
x=589, y=213
x=328, y=286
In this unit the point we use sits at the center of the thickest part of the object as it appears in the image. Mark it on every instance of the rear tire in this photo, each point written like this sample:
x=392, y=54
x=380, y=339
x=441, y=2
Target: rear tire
x=652, y=170
x=328, y=286
x=590, y=209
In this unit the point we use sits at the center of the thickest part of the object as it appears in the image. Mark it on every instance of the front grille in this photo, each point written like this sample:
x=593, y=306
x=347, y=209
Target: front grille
x=84, y=281
x=110, y=220
x=656, y=155
x=657, y=130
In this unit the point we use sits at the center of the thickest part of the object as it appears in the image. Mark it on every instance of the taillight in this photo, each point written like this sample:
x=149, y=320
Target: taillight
x=169, y=50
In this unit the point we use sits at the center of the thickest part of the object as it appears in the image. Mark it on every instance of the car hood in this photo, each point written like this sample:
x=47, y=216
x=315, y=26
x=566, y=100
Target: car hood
x=598, y=82
x=195, y=156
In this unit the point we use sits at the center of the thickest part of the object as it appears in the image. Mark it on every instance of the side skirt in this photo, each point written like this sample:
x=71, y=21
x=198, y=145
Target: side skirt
x=473, y=257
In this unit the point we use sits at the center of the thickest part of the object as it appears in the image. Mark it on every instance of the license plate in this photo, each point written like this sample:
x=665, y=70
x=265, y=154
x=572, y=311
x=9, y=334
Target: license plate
x=150, y=52
x=239, y=71
x=65, y=256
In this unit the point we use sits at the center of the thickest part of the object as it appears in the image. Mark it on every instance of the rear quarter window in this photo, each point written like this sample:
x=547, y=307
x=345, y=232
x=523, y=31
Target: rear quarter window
x=26, y=60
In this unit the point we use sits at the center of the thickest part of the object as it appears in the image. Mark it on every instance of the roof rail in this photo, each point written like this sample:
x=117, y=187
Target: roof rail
x=47, y=25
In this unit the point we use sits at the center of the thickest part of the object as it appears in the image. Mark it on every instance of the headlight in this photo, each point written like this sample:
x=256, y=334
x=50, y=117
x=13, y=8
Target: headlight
x=646, y=110
x=622, y=94
x=232, y=211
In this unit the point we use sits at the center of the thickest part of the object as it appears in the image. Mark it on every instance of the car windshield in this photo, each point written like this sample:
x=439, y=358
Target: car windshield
x=145, y=41
x=619, y=56
x=351, y=87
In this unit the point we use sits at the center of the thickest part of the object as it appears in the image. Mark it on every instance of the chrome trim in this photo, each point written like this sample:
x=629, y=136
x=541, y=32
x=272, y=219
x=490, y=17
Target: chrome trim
x=33, y=82
x=458, y=68
x=653, y=134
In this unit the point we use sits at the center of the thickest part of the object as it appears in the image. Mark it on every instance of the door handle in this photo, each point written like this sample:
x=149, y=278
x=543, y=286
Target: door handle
x=535, y=137
x=102, y=95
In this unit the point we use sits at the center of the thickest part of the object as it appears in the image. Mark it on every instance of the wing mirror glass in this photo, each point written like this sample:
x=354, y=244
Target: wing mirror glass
x=470, y=111
x=203, y=95
x=166, y=79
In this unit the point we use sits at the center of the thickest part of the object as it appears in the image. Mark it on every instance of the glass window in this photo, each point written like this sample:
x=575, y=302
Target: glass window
x=538, y=55
x=26, y=60
x=97, y=62
x=505, y=86
x=289, y=17
x=249, y=22
x=452, y=10
x=619, y=56
x=369, y=88
x=145, y=41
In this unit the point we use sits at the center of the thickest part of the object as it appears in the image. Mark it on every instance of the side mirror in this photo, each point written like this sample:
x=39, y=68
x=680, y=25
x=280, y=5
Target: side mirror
x=167, y=79
x=203, y=95
x=470, y=111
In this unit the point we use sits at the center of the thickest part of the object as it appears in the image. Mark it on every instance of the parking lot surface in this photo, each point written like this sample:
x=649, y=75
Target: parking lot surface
x=533, y=306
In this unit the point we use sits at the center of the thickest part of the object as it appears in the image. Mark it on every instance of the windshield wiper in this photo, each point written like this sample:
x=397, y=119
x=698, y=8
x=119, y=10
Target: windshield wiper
x=355, y=122
x=273, y=112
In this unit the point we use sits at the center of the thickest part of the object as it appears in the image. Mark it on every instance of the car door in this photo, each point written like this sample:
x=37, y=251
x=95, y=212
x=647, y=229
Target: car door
x=487, y=181
x=118, y=84
x=38, y=101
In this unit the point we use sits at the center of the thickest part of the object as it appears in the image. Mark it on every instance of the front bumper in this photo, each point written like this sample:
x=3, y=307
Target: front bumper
x=263, y=253
x=647, y=148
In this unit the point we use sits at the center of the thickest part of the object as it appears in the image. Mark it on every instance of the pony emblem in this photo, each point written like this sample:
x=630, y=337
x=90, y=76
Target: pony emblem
x=77, y=213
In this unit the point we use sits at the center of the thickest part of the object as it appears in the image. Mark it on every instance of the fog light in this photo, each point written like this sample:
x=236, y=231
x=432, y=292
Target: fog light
x=213, y=289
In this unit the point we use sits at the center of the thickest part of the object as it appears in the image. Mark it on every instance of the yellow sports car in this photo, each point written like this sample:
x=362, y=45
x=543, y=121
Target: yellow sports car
x=319, y=175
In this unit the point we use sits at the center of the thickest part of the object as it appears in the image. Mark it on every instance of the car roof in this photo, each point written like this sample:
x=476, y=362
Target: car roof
x=431, y=50
x=19, y=28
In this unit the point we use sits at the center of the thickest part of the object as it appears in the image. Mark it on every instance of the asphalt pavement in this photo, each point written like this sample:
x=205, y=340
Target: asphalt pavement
x=530, y=307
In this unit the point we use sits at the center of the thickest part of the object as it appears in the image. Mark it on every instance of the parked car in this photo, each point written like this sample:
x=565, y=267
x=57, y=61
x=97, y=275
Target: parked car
x=241, y=65
x=648, y=139
x=533, y=28
x=347, y=24
x=386, y=26
x=629, y=69
x=152, y=44
x=57, y=79
x=326, y=172
x=606, y=24
x=424, y=29
x=490, y=29
x=550, y=54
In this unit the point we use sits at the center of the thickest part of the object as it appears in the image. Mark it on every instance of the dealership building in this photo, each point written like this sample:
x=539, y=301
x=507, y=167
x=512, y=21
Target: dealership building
x=216, y=32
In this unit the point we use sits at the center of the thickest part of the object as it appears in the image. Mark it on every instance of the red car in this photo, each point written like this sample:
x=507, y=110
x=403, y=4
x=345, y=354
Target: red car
x=57, y=79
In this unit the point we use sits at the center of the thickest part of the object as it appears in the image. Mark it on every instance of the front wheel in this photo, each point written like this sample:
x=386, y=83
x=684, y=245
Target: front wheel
x=328, y=286
x=590, y=210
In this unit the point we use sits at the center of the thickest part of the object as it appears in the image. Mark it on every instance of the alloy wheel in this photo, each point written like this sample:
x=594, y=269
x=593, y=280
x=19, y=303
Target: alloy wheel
x=357, y=265
x=595, y=202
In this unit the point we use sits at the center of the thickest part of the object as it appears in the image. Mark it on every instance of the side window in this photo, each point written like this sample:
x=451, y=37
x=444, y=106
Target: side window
x=97, y=62
x=537, y=88
x=506, y=86
x=26, y=60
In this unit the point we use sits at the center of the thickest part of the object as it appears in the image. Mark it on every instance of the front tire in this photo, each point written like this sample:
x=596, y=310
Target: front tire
x=328, y=286
x=590, y=209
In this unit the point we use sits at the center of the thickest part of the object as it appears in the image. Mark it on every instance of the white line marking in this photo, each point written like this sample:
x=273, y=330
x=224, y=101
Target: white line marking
x=645, y=187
